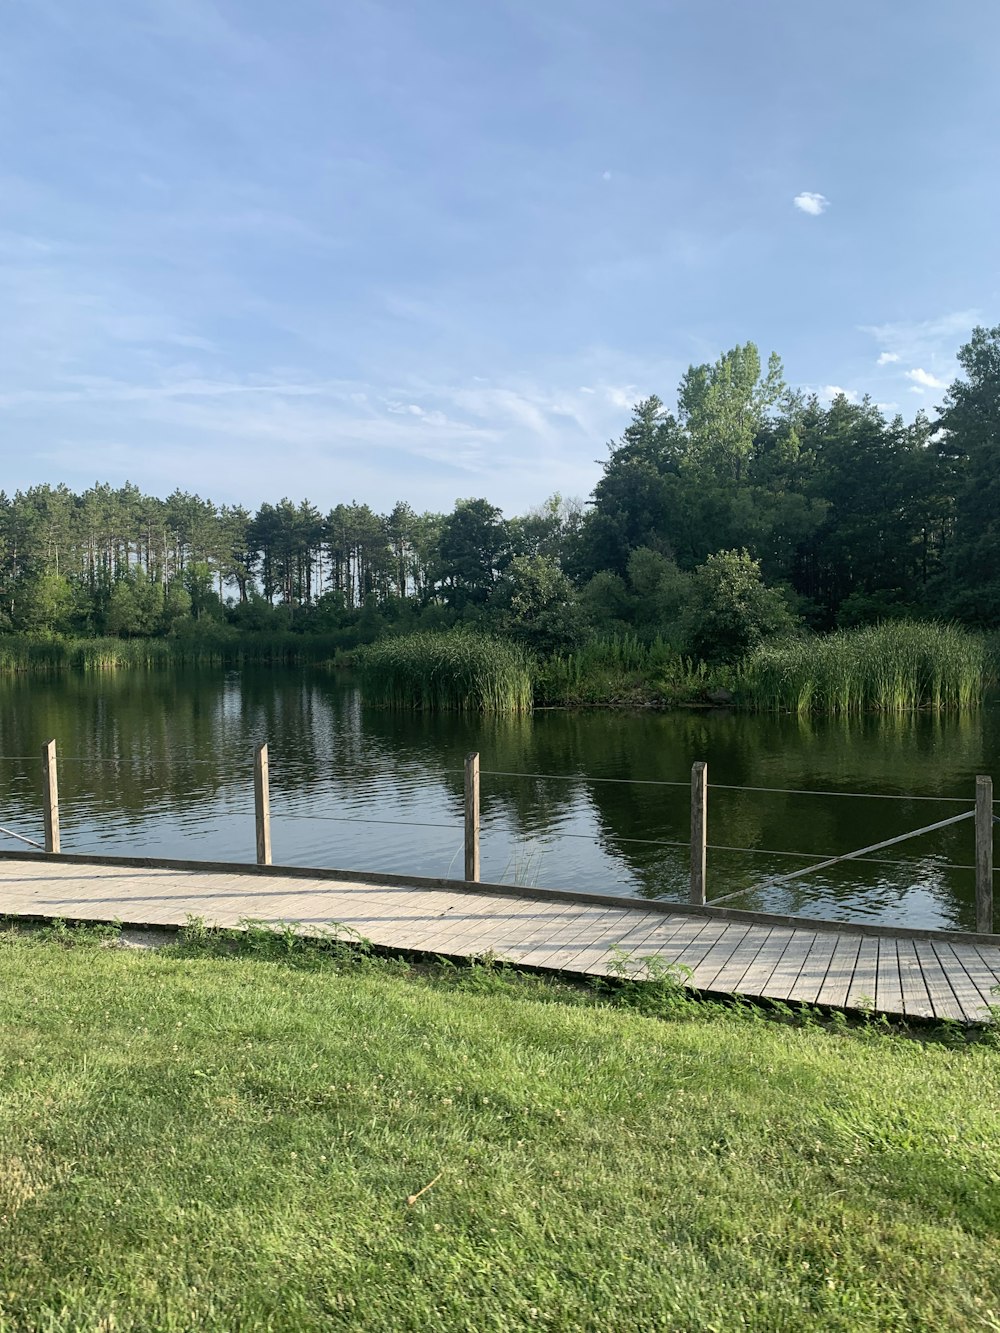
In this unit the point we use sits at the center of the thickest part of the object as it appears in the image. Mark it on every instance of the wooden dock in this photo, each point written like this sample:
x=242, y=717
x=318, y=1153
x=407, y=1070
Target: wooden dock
x=912, y=974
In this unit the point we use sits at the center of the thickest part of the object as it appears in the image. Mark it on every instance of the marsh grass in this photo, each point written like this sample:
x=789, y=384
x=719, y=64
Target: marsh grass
x=894, y=667
x=43, y=655
x=218, y=1139
x=460, y=671
x=625, y=669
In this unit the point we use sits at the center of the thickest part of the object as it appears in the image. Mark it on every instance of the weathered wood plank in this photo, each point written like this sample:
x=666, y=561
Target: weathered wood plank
x=969, y=994
x=812, y=973
x=570, y=930
x=991, y=960
x=888, y=988
x=916, y=1000
x=864, y=984
x=686, y=955
x=729, y=978
x=839, y=975
x=790, y=964
x=978, y=970
x=901, y=975
x=586, y=933
x=719, y=955
x=757, y=976
x=942, y=994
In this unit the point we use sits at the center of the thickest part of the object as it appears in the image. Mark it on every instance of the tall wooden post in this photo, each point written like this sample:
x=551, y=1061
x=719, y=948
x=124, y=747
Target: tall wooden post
x=262, y=804
x=984, y=855
x=699, y=832
x=50, y=808
x=472, y=818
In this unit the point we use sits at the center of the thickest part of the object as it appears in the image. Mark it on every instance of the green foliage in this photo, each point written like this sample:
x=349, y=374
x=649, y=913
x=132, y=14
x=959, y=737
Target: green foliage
x=46, y=604
x=850, y=517
x=623, y=669
x=729, y=610
x=723, y=407
x=537, y=604
x=21, y=654
x=473, y=551
x=888, y=668
x=461, y=671
x=971, y=447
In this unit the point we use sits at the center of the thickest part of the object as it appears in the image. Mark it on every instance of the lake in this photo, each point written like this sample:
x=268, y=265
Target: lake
x=162, y=764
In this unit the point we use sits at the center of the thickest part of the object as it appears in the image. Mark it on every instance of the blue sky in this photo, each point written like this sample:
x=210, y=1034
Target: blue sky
x=424, y=250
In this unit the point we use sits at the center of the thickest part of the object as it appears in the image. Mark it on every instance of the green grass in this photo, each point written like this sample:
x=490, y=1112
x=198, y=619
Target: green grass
x=20, y=653
x=893, y=667
x=460, y=671
x=220, y=1143
x=622, y=670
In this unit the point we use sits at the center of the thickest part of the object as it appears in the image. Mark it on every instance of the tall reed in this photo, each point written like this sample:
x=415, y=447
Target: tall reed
x=461, y=671
x=20, y=654
x=892, y=667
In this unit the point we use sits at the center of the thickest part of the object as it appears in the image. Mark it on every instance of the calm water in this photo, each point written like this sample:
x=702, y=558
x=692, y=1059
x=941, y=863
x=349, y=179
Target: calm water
x=161, y=764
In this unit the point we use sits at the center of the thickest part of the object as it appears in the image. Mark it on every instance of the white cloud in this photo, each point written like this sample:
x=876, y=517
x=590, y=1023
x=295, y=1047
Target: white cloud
x=925, y=380
x=831, y=391
x=623, y=396
x=886, y=358
x=584, y=388
x=812, y=203
x=923, y=340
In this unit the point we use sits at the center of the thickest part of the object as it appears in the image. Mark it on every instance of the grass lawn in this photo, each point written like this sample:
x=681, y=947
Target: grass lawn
x=192, y=1142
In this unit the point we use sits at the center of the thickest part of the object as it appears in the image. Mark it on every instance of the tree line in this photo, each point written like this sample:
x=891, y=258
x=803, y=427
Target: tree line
x=747, y=509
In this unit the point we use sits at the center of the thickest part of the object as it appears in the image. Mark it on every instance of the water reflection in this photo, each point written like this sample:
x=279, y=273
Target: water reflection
x=161, y=764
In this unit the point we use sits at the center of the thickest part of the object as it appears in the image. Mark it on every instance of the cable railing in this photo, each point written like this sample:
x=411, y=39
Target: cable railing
x=981, y=811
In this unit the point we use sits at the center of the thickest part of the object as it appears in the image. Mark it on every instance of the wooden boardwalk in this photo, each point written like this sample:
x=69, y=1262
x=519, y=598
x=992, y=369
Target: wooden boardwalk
x=899, y=975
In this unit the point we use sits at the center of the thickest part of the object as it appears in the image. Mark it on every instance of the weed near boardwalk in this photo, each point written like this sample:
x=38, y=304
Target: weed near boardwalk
x=228, y=1135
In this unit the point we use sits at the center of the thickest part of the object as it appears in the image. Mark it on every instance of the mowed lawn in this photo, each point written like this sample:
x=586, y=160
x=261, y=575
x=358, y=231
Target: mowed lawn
x=198, y=1143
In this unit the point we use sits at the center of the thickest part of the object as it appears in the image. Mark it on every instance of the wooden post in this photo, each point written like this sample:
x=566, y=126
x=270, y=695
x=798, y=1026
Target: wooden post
x=472, y=818
x=984, y=855
x=50, y=808
x=699, y=832
x=262, y=804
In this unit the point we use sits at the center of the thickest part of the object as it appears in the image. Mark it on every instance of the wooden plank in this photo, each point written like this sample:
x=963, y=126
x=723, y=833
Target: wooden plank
x=916, y=1000
x=659, y=940
x=521, y=934
x=864, y=984
x=902, y=975
x=475, y=919
x=672, y=948
x=812, y=973
x=789, y=965
x=758, y=974
x=991, y=960
x=967, y=992
x=599, y=958
x=567, y=929
x=594, y=948
x=590, y=927
x=888, y=989
x=729, y=978
x=719, y=955
x=977, y=969
x=839, y=975
x=942, y=994
x=688, y=956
